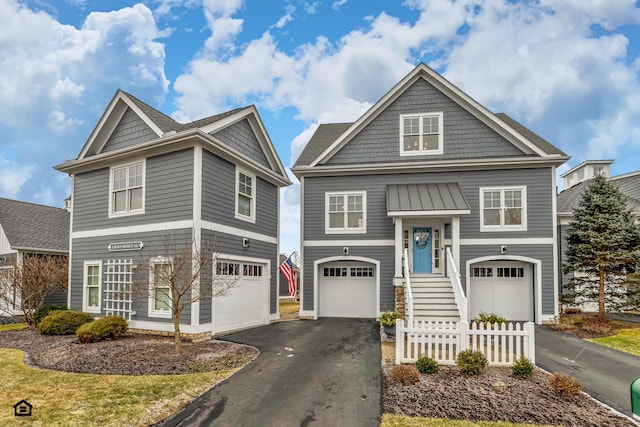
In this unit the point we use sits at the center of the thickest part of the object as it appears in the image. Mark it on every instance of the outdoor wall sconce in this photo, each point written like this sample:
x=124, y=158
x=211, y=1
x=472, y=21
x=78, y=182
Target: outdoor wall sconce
x=345, y=251
x=504, y=249
x=246, y=242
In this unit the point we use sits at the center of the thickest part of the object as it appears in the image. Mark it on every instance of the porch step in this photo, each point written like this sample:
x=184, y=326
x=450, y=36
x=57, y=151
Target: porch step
x=433, y=299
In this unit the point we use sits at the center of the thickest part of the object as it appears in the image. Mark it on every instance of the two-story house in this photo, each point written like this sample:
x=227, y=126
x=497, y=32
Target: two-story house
x=142, y=179
x=431, y=204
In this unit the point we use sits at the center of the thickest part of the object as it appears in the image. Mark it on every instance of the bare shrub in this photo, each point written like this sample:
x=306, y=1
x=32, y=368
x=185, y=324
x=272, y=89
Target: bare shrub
x=405, y=374
x=597, y=325
x=564, y=384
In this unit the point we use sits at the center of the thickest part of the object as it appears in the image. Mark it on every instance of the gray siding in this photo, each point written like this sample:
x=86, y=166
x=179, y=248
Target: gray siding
x=168, y=194
x=228, y=244
x=465, y=137
x=241, y=138
x=94, y=249
x=218, y=198
x=544, y=253
x=384, y=254
x=540, y=194
x=131, y=130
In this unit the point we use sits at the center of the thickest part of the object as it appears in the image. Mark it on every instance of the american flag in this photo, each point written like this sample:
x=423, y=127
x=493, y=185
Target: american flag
x=286, y=268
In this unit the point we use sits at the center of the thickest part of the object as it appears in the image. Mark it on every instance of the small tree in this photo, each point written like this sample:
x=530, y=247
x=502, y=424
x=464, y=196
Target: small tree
x=29, y=280
x=181, y=275
x=603, y=247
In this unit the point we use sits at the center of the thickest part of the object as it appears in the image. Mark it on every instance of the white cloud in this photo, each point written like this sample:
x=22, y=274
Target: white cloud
x=12, y=178
x=338, y=4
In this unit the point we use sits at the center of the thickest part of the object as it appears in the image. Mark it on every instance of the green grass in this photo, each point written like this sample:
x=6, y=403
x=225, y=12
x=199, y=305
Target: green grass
x=13, y=327
x=389, y=420
x=627, y=340
x=68, y=399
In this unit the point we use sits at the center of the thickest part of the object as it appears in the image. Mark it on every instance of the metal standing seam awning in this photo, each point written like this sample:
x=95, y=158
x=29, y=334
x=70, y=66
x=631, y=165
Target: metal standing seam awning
x=432, y=199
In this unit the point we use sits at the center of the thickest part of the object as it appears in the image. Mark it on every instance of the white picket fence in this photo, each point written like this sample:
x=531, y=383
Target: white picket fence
x=442, y=341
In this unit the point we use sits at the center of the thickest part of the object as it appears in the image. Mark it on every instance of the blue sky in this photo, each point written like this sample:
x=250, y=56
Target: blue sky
x=567, y=69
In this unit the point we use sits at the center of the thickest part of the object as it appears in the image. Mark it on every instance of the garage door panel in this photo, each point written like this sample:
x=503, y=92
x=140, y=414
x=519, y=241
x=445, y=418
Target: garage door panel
x=496, y=292
x=347, y=291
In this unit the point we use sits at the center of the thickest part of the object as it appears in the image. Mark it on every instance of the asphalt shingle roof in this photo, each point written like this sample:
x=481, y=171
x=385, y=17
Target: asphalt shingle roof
x=32, y=226
x=540, y=142
x=628, y=184
x=323, y=137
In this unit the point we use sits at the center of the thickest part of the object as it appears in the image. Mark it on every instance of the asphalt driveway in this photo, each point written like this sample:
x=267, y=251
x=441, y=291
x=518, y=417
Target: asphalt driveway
x=309, y=373
x=606, y=374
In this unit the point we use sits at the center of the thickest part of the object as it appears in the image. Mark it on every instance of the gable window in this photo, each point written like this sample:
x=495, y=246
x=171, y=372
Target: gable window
x=346, y=212
x=421, y=134
x=503, y=208
x=245, y=196
x=127, y=189
x=160, y=271
x=92, y=286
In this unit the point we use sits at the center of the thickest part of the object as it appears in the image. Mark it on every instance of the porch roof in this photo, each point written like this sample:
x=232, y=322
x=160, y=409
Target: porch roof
x=426, y=200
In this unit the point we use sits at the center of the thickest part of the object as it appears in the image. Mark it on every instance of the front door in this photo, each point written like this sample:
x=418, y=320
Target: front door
x=422, y=244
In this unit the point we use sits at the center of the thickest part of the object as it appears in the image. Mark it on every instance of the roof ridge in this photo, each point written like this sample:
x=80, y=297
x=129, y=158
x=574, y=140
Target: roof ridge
x=31, y=203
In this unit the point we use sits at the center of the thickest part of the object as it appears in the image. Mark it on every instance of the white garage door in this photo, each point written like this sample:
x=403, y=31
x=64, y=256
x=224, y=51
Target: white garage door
x=502, y=287
x=347, y=290
x=247, y=302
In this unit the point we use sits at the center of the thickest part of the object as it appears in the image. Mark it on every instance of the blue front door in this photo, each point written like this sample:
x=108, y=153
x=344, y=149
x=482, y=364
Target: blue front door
x=422, y=243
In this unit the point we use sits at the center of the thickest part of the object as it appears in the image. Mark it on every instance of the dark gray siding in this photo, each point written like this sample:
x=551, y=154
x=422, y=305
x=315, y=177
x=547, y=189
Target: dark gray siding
x=218, y=198
x=540, y=194
x=95, y=248
x=465, y=137
x=241, y=138
x=384, y=254
x=131, y=130
x=168, y=194
x=544, y=253
x=228, y=244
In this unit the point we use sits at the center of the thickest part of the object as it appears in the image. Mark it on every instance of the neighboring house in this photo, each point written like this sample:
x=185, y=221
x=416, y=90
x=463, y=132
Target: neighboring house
x=142, y=179
x=28, y=229
x=431, y=180
x=284, y=285
x=576, y=180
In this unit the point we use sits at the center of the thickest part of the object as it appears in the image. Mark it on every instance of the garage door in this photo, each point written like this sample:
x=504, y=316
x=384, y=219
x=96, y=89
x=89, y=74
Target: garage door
x=504, y=288
x=347, y=290
x=247, y=302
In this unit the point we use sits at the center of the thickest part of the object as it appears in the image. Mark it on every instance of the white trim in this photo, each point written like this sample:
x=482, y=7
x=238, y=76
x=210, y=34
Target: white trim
x=537, y=278
x=197, y=232
x=420, y=151
x=252, y=203
x=342, y=243
x=508, y=241
x=85, y=307
x=316, y=279
x=69, y=257
x=301, y=285
x=346, y=229
x=556, y=267
x=429, y=213
x=503, y=207
x=126, y=166
x=151, y=311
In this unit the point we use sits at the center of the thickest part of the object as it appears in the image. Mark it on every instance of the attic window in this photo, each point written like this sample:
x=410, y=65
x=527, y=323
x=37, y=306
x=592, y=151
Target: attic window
x=421, y=134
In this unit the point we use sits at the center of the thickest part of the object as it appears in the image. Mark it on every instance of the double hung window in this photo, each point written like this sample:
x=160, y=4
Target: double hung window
x=503, y=208
x=127, y=189
x=92, y=286
x=421, y=134
x=245, y=196
x=346, y=212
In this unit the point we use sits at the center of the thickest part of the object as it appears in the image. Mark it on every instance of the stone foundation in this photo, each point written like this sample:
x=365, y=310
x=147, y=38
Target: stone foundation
x=202, y=336
x=400, y=301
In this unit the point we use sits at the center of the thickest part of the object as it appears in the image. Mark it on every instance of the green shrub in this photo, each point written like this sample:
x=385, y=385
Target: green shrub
x=44, y=310
x=427, y=365
x=471, y=362
x=405, y=374
x=63, y=322
x=523, y=367
x=564, y=384
x=489, y=319
x=101, y=329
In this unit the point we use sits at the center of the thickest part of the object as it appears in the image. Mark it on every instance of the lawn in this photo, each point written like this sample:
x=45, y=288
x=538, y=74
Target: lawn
x=289, y=308
x=13, y=327
x=389, y=420
x=627, y=340
x=62, y=399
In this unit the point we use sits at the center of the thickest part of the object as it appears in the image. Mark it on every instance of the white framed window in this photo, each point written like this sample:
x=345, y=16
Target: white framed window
x=160, y=270
x=245, y=196
x=421, y=134
x=126, y=189
x=503, y=209
x=92, y=286
x=346, y=212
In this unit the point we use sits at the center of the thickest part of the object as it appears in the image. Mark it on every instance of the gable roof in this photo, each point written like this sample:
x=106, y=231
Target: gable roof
x=328, y=139
x=628, y=184
x=169, y=131
x=29, y=226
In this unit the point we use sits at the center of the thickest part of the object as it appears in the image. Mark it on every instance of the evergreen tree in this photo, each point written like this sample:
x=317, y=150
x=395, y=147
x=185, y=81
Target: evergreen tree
x=603, y=248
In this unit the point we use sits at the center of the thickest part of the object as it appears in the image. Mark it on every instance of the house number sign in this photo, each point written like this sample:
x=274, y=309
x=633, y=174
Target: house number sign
x=125, y=246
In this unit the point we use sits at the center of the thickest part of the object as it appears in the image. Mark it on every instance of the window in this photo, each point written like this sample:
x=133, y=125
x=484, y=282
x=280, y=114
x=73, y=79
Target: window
x=482, y=272
x=160, y=271
x=127, y=189
x=92, y=286
x=252, y=270
x=510, y=271
x=335, y=272
x=361, y=271
x=245, y=196
x=421, y=134
x=224, y=268
x=346, y=212
x=503, y=209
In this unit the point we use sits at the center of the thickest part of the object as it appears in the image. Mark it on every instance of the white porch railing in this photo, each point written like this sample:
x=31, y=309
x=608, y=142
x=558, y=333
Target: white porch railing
x=408, y=295
x=454, y=276
x=443, y=341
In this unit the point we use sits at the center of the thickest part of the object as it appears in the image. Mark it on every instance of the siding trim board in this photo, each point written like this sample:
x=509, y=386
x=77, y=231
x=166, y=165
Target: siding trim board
x=324, y=243
x=509, y=241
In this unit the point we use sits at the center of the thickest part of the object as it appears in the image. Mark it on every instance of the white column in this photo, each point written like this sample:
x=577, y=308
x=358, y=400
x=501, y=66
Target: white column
x=399, y=246
x=455, y=240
